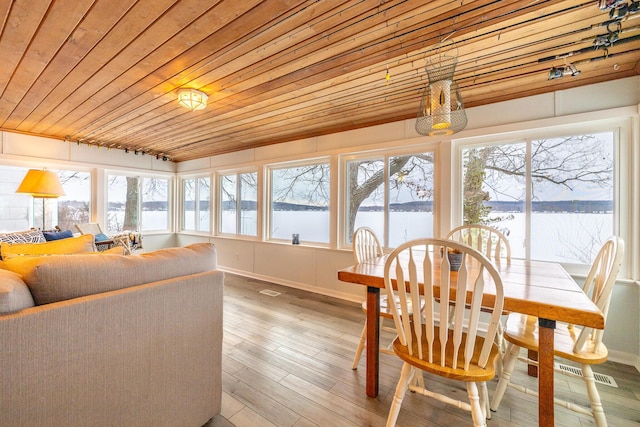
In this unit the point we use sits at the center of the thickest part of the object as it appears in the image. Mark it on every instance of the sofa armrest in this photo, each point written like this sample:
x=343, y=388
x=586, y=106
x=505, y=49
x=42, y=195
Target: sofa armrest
x=147, y=355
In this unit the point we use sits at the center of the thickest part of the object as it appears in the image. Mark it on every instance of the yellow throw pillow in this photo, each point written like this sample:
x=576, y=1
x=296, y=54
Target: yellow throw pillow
x=72, y=245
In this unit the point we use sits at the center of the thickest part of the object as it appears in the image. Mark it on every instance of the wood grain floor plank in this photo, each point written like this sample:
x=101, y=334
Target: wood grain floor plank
x=287, y=362
x=295, y=401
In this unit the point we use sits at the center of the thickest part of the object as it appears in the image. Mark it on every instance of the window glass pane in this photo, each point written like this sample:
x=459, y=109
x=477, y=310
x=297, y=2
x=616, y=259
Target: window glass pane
x=365, y=197
x=188, y=204
x=494, y=191
x=155, y=204
x=22, y=211
x=410, y=198
x=74, y=206
x=228, y=203
x=572, y=191
x=15, y=209
x=300, y=203
x=248, y=204
x=572, y=183
x=122, y=203
x=204, y=203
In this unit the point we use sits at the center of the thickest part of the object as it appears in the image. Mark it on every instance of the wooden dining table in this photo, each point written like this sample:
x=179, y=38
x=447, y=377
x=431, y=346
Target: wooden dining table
x=541, y=289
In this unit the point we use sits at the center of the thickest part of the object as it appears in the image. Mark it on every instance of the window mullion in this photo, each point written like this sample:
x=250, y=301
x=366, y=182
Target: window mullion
x=528, y=200
x=387, y=195
x=238, y=203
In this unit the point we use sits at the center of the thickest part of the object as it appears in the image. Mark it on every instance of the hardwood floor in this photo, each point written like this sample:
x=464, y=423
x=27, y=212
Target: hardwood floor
x=287, y=362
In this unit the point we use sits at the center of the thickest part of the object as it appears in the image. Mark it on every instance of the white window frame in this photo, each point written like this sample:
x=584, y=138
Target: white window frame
x=171, y=179
x=384, y=156
x=268, y=169
x=622, y=190
x=218, y=202
x=182, y=213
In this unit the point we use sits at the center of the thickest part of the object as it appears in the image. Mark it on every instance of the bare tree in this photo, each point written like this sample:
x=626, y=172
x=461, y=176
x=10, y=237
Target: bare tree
x=366, y=177
x=131, y=211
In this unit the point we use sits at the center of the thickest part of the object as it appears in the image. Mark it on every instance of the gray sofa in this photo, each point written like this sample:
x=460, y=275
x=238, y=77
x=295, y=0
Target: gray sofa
x=111, y=340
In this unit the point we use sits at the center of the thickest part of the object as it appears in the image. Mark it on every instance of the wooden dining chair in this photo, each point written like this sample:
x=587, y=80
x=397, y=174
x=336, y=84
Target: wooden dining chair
x=488, y=240
x=495, y=246
x=366, y=246
x=581, y=345
x=436, y=340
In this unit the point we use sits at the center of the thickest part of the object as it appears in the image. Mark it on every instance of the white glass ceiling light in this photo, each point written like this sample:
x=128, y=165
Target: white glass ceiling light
x=192, y=99
x=441, y=108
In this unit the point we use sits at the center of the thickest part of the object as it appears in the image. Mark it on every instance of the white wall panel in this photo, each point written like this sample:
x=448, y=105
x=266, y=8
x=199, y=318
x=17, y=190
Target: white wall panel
x=231, y=159
x=193, y=165
x=364, y=136
x=295, y=148
x=34, y=146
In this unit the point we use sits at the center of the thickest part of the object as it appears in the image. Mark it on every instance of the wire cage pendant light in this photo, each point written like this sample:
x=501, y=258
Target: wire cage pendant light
x=441, y=108
x=192, y=99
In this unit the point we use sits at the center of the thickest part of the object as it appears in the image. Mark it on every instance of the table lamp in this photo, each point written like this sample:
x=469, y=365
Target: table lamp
x=42, y=184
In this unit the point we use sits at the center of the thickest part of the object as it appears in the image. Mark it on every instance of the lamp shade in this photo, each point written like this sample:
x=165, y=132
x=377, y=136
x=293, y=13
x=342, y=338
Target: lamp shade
x=41, y=183
x=192, y=99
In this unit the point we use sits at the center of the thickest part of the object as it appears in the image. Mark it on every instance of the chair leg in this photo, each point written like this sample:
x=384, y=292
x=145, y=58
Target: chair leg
x=479, y=419
x=509, y=363
x=594, y=396
x=363, y=338
x=403, y=384
x=484, y=400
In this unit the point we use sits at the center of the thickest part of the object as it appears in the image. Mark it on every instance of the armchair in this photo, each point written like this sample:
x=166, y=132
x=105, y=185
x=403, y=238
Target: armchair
x=102, y=241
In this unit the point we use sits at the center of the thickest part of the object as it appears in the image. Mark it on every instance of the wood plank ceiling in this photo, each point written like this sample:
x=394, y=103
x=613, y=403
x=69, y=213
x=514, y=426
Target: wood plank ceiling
x=106, y=72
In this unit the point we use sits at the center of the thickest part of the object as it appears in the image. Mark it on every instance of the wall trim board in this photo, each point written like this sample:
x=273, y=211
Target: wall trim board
x=623, y=358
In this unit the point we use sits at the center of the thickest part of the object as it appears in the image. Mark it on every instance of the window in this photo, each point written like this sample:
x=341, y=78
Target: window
x=300, y=202
x=74, y=206
x=239, y=204
x=137, y=203
x=391, y=194
x=21, y=211
x=196, y=209
x=553, y=197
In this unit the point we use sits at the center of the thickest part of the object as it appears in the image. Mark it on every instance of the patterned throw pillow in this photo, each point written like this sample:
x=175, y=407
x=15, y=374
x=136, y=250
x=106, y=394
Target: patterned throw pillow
x=29, y=236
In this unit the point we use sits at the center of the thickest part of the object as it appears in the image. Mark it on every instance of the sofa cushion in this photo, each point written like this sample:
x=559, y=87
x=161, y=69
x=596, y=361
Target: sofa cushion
x=58, y=278
x=14, y=293
x=72, y=245
x=28, y=236
x=57, y=235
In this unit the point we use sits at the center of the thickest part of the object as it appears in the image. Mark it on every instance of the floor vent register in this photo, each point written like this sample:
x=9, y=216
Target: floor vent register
x=599, y=378
x=270, y=292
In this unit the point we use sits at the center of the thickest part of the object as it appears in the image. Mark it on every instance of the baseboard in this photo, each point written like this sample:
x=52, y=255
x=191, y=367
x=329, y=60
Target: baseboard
x=625, y=358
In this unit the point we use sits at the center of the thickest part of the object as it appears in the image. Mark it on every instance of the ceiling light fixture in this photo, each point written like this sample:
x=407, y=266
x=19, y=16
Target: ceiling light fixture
x=192, y=99
x=441, y=109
